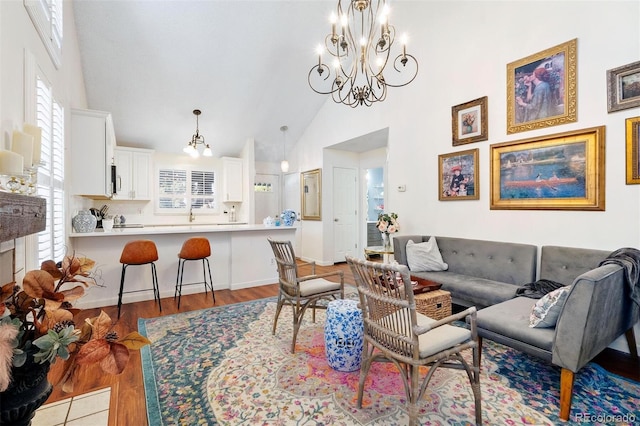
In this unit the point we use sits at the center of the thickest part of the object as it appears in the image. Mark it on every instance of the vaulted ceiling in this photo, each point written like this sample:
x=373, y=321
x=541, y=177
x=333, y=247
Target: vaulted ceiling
x=244, y=64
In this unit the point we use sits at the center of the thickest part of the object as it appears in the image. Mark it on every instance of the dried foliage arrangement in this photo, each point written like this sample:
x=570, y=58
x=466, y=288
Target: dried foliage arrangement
x=38, y=317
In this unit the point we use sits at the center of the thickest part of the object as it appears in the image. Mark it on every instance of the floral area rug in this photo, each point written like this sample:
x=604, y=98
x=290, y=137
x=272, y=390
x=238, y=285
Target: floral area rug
x=223, y=366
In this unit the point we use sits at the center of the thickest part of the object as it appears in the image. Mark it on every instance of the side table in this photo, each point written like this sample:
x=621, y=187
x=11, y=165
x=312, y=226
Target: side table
x=381, y=250
x=344, y=335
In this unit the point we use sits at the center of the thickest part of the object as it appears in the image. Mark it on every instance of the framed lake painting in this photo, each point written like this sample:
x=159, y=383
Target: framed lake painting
x=564, y=171
x=458, y=176
x=541, y=89
x=470, y=122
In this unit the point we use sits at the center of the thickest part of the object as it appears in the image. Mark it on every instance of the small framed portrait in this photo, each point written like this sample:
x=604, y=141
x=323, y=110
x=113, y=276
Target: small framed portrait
x=458, y=176
x=564, y=171
x=633, y=155
x=541, y=89
x=470, y=122
x=623, y=87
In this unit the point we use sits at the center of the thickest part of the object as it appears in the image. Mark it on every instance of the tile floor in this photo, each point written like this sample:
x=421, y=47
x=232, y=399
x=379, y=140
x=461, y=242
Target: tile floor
x=89, y=409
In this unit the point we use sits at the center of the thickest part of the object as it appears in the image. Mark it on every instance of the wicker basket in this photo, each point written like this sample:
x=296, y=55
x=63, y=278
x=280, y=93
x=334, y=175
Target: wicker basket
x=434, y=304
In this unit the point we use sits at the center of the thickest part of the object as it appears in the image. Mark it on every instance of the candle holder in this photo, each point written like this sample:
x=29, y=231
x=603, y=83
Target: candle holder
x=13, y=184
x=23, y=183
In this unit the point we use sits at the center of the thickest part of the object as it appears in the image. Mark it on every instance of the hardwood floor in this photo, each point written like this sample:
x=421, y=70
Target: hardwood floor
x=128, y=398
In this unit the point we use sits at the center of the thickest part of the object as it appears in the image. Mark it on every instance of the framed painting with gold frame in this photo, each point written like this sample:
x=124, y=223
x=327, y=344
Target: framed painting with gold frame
x=564, y=171
x=458, y=176
x=541, y=89
x=633, y=155
x=470, y=122
x=623, y=87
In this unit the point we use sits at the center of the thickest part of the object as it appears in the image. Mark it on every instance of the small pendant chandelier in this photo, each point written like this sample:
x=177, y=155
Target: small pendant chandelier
x=361, y=51
x=284, y=164
x=197, y=139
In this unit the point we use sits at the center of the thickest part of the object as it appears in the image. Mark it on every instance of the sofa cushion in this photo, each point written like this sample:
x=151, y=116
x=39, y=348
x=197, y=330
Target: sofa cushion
x=425, y=256
x=547, y=309
x=471, y=291
x=510, y=320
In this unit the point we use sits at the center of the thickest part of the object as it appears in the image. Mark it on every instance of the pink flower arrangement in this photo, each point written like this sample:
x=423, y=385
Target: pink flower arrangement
x=388, y=223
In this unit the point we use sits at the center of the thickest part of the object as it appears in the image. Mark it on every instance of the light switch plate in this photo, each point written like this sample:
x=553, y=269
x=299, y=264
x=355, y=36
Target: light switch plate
x=402, y=188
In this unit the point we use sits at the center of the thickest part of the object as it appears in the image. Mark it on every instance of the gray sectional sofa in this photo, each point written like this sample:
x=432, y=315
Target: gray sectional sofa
x=481, y=273
x=597, y=310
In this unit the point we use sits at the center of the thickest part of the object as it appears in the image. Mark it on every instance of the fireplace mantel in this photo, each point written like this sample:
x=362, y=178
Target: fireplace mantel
x=21, y=215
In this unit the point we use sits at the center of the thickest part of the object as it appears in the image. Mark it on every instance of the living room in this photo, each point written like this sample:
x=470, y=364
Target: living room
x=463, y=48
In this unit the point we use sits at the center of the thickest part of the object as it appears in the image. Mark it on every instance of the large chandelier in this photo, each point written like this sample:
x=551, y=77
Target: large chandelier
x=197, y=139
x=361, y=50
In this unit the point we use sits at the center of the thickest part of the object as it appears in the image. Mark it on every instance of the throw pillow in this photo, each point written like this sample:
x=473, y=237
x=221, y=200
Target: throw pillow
x=546, y=311
x=425, y=257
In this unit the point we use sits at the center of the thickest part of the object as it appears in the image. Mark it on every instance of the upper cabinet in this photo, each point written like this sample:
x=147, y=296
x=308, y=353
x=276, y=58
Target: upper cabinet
x=133, y=171
x=232, y=179
x=92, y=143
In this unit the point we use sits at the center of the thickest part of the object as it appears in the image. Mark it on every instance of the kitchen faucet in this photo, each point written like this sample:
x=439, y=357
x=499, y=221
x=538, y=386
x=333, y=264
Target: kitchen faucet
x=191, y=216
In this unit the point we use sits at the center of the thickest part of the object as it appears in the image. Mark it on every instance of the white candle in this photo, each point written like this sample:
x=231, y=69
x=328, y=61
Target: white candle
x=36, y=132
x=10, y=163
x=22, y=144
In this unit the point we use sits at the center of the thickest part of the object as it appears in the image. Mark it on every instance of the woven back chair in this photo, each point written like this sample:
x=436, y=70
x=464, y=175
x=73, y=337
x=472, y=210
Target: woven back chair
x=301, y=292
x=394, y=331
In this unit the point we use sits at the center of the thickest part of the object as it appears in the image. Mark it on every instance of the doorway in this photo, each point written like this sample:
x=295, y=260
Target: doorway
x=345, y=213
x=267, y=196
x=374, y=203
x=291, y=200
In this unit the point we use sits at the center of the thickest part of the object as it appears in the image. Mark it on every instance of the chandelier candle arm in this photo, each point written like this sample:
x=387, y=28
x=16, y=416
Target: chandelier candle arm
x=358, y=75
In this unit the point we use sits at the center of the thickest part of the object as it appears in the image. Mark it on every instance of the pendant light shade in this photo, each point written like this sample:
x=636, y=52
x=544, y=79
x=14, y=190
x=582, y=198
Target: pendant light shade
x=284, y=164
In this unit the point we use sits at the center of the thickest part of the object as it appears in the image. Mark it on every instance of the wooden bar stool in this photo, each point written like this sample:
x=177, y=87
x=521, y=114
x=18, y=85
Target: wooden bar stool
x=195, y=248
x=139, y=252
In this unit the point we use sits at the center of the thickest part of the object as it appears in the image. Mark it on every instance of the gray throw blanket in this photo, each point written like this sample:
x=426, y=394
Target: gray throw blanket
x=538, y=289
x=629, y=259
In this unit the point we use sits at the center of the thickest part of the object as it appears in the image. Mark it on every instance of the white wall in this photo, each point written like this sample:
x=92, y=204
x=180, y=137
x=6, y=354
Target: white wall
x=463, y=49
x=17, y=35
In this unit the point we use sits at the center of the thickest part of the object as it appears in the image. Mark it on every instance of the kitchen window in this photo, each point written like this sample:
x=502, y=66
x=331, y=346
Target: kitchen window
x=181, y=189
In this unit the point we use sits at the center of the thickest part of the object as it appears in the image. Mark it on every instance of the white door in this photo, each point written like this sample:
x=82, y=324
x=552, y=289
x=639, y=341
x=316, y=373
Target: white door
x=345, y=213
x=291, y=200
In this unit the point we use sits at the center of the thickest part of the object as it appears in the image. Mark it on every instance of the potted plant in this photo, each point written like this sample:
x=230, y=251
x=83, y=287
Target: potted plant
x=37, y=327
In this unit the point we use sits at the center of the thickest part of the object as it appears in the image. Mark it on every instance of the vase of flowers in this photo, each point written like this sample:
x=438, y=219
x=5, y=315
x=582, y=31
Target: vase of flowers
x=387, y=224
x=37, y=326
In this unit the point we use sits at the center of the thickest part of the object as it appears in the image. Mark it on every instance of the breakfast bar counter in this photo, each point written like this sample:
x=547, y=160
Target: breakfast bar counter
x=240, y=258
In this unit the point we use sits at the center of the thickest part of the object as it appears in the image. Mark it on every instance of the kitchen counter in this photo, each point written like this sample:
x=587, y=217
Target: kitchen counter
x=178, y=229
x=241, y=257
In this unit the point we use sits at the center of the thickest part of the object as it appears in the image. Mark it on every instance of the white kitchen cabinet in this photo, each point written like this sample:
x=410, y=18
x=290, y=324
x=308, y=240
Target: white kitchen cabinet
x=92, y=142
x=232, y=180
x=133, y=170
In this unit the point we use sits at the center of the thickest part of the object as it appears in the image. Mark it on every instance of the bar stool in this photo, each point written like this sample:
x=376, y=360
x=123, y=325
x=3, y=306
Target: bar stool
x=195, y=248
x=139, y=252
